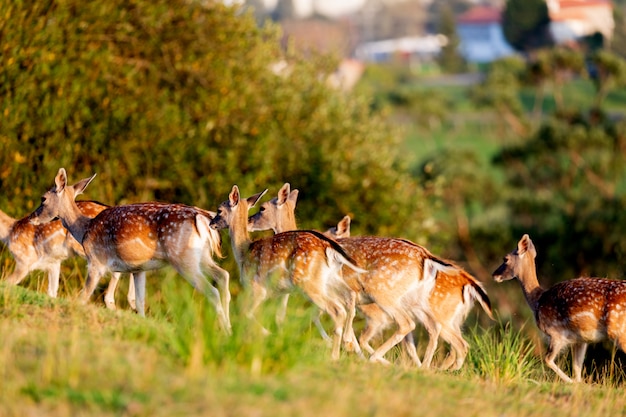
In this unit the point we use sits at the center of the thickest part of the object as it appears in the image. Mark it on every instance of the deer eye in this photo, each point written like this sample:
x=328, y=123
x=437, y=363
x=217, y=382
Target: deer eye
x=262, y=208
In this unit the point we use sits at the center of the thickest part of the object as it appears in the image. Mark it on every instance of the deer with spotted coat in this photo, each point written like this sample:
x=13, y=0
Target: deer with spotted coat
x=571, y=313
x=141, y=237
x=44, y=247
x=400, y=277
x=304, y=260
x=450, y=300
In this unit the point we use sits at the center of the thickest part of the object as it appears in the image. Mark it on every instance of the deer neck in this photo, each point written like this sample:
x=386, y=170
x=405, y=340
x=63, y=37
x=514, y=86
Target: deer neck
x=238, y=231
x=287, y=223
x=76, y=222
x=530, y=286
x=6, y=224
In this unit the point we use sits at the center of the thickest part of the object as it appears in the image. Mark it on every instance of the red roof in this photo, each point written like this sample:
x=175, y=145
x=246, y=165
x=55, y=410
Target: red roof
x=481, y=14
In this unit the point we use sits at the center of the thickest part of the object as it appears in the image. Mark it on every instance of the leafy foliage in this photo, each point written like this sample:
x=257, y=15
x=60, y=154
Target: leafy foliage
x=525, y=24
x=178, y=100
x=565, y=188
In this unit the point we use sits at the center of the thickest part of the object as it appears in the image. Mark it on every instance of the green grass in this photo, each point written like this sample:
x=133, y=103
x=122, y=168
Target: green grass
x=59, y=358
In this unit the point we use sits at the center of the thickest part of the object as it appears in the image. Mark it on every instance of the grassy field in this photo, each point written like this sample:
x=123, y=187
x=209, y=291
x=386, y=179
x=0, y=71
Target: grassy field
x=60, y=358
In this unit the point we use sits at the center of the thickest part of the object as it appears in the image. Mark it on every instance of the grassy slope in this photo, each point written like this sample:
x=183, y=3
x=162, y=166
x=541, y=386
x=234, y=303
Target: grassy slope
x=58, y=358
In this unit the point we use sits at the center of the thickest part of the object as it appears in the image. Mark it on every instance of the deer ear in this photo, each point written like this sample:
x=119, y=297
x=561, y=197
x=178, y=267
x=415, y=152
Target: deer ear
x=252, y=200
x=80, y=186
x=283, y=194
x=234, y=196
x=526, y=245
x=343, y=227
x=60, y=180
x=293, y=196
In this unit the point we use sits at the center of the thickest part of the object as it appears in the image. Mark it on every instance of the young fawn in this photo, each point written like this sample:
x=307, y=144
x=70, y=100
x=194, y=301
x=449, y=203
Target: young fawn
x=306, y=260
x=44, y=247
x=400, y=277
x=141, y=237
x=283, y=206
x=450, y=300
x=575, y=312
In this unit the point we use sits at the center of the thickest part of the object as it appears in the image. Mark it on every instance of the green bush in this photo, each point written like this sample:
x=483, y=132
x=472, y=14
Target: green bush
x=179, y=100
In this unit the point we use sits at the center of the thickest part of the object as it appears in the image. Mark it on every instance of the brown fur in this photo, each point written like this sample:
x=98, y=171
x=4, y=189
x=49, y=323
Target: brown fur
x=575, y=312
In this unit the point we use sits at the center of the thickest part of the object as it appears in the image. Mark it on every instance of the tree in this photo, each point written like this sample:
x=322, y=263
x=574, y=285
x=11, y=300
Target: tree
x=449, y=59
x=563, y=187
x=177, y=101
x=526, y=24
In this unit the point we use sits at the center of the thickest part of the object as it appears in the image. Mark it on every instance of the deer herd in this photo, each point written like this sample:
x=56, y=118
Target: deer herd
x=391, y=282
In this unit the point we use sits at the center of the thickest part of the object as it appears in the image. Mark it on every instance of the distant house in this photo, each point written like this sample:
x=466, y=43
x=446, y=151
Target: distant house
x=409, y=47
x=571, y=20
x=480, y=32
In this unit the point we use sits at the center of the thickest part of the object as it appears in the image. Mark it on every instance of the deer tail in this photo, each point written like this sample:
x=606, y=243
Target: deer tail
x=209, y=235
x=341, y=257
x=476, y=291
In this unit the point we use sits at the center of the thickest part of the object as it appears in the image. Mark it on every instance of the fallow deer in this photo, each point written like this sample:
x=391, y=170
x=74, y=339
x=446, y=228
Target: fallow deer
x=282, y=207
x=44, y=247
x=571, y=313
x=140, y=237
x=450, y=302
x=306, y=260
x=400, y=277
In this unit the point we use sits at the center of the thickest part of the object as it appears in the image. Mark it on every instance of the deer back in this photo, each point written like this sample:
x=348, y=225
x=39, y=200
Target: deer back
x=394, y=266
x=144, y=235
x=586, y=308
x=293, y=258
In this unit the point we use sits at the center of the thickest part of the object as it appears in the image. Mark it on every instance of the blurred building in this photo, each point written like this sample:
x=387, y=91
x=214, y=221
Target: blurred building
x=480, y=32
x=571, y=20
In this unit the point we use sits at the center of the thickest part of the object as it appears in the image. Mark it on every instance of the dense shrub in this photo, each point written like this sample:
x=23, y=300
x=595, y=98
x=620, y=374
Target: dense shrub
x=179, y=100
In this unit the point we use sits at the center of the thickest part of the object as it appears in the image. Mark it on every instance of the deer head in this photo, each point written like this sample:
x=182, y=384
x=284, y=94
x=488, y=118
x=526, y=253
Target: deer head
x=229, y=209
x=517, y=262
x=56, y=201
x=277, y=214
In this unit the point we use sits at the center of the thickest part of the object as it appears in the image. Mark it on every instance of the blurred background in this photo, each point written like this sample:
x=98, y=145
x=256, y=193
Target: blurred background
x=458, y=124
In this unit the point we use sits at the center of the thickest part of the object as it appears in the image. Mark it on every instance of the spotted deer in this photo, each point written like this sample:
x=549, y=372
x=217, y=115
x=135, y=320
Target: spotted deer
x=400, y=277
x=46, y=246
x=571, y=313
x=450, y=300
x=304, y=260
x=141, y=237
x=282, y=207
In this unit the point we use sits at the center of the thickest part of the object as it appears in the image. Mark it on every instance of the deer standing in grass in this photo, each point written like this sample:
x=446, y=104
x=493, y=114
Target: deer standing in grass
x=571, y=313
x=140, y=237
x=400, y=278
x=306, y=260
x=44, y=247
x=450, y=300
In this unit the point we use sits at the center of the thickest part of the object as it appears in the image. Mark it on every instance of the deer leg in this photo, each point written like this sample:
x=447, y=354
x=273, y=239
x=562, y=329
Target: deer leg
x=554, y=348
x=18, y=274
x=222, y=278
x=405, y=326
x=131, y=296
x=409, y=345
x=458, y=348
x=281, y=313
x=318, y=323
x=94, y=273
x=139, y=286
x=109, y=296
x=54, y=271
x=339, y=316
x=578, y=357
x=259, y=294
x=349, y=338
x=433, y=329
